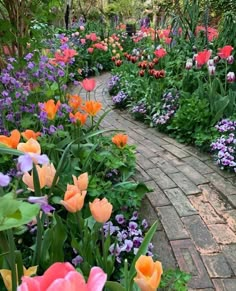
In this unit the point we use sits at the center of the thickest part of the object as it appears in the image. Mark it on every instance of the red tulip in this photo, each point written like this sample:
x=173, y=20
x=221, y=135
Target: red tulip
x=88, y=84
x=225, y=52
x=160, y=53
x=203, y=57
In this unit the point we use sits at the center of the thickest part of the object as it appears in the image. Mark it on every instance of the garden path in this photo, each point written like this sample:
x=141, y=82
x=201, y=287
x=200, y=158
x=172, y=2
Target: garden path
x=193, y=199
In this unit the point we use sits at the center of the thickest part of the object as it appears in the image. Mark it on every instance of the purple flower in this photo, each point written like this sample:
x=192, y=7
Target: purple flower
x=134, y=216
x=115, y=249
x=25, y=162
x=43, y=202
x=4, y=180
x=28, y=57
x=144, y=223
x=120, y=218
x=127, y=246
x=77, y=260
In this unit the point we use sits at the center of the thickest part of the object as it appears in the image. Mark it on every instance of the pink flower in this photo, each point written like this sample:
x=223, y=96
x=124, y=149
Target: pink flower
x=90, y=50
x=81, y=27
x=83, y=40
x=93, y=36
x=160, y=53
x=88, y=84
x=225, y=52
x=64, y=277
x=203, y=57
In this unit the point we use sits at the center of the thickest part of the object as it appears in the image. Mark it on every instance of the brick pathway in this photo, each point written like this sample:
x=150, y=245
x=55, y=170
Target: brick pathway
x=193, y=199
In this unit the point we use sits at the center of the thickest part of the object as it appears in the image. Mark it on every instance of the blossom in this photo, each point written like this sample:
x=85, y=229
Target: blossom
x=203, y=57
x=92, y=107
x=81, y=182
x=43, y=202
x=4, y=180
x=120, y=140
x=31, y=146
x=88, y=84
x=149, y=273
x=11, y=141
x=231, y=77
x=25, y=162
x=225, y=52
x=50, y=174
x=51, y=108
x=29, y=181
x=27, y=134
x=78, y=117
x=63, y=277
x=90, y=50
x=64, y=56
x=160, y=53
x=75, y=102
x=7, y=276
x=101, y=209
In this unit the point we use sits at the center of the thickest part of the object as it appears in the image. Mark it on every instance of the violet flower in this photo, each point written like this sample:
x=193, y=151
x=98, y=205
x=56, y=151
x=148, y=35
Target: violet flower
x=25, y=162
x=4, y=180
x=43, y=202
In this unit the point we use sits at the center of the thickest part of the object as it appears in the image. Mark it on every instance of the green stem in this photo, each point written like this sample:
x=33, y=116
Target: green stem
x=80, y=223
x=126, y=274
x=19, y=263
x=103, y=250
x=12, y=258
x=39, y=237
x=226, y=68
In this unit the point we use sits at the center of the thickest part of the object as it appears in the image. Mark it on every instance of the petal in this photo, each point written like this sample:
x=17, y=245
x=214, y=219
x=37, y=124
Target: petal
x=29, y=284
x=97, y=279
x=25, y=163
x=4, y=180
x=42, y=159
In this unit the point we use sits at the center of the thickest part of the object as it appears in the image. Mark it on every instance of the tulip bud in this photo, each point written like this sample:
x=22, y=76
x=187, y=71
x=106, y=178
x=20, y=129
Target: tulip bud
x=141, y=73
x=211, y=70
x=216, y=59
x=189, y=64
x=210, y=62
x=230, y=60
x=230, y=77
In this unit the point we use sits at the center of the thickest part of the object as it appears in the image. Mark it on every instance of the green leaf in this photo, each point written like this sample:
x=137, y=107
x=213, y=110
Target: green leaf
x=114, y=286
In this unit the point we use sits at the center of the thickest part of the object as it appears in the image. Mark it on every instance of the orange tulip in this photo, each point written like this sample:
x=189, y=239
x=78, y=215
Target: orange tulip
x=81, y=182
x=101, y=210
x=51, y=108
x=29, y=180
x=11, y=141
x=73, y=199
x=78, y=117
x=30, y=134
x=31, y=146
x=50, y=174
x=92, y=107
x=120, y=140
x=75, y=102
x=149, y=273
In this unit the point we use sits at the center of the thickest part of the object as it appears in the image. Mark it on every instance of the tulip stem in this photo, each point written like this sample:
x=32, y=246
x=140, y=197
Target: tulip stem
x=37, y=253
x=103, y=248
x=12, y=258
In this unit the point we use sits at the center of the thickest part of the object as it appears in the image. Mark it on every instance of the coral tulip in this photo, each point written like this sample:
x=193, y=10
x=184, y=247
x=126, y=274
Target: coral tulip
x=73, y=199
x=51, y=108
x=149, y=273
x=225, y=52
x=75, y=102
x=78, y=117
x=27, y=134
x=29, y=180
x=50, y=174
x=92, y=107
x=31, y=146
x=88, y=84
x=120, y=140
x=160, y=53
x=101, y=210
x=203, y=57
x=11, y=141
x=81, y=182
x=63, y=277
x=7, y=277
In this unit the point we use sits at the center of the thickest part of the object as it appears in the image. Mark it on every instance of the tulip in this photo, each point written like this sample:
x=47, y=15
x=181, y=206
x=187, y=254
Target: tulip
x=31, y=146
x=90, y=50
x=51, y=108
x=149, y=273
x=7, y=276
x=11, y=141
x=78, y=117
x=120, y=140
x=50, y=174
x=88, y=84
x=63, y=277
x=75, y=102
x=231, y=77
x=92, y=107
x=101, y=210
x=225, y=52
x=29, y=181
x=73, y=199
x=203, y=57
x=230, y=60
x=189, y=64
x=81, y=182
x=211, y=70
x=160, y=53
x=27, y=134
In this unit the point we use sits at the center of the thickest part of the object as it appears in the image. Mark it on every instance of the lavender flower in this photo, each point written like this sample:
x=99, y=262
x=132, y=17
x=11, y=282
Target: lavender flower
x=43, y=202
x=120, y=218
x=119, y=99
x=4, y=180
x=113, y=82
x=25, y=162
x=77, y=260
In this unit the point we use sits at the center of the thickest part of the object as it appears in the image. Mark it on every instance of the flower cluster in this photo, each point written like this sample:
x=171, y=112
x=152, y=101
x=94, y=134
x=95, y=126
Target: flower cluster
x=113, y=82
x=119, y=99
x=225, y=146
x=168, y=109
x=127, y=236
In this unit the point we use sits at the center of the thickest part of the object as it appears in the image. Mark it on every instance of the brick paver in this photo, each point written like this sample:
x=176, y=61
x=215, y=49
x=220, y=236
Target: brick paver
x=194, y=201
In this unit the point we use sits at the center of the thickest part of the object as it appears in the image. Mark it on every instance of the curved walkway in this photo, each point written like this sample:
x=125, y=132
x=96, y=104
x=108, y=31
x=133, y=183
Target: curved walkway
x=193, y=199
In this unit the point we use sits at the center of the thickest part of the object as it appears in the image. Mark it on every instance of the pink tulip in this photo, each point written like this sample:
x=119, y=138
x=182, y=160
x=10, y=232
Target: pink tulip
x=88, y=84
x=83, y=40
x=90, y=50
x=64, y=277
